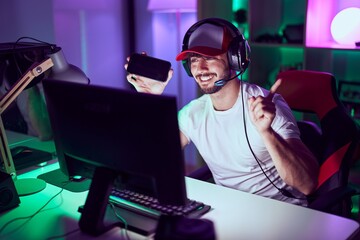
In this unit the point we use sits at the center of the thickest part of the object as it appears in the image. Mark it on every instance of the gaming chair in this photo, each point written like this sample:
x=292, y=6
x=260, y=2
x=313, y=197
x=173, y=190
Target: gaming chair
x=332, y=140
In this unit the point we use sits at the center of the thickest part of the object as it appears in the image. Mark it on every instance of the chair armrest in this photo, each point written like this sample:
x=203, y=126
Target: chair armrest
x=326, y=201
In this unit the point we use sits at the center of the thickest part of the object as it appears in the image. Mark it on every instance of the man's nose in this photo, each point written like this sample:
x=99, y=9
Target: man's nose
x=202, y=63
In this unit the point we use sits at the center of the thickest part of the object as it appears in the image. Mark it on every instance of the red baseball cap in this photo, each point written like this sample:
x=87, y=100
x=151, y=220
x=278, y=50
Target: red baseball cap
x=208, y=40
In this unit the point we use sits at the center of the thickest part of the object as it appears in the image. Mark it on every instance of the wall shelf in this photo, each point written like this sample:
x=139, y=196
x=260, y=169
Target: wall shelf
x=317, y=51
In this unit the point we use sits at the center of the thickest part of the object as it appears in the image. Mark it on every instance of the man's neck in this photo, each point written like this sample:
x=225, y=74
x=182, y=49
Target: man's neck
x=227, y=96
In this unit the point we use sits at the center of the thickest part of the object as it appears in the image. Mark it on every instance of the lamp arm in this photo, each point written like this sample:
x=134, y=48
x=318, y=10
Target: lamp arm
x=34, y=71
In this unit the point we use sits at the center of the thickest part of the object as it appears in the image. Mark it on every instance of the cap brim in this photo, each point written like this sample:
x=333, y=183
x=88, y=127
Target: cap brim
x=205, y=51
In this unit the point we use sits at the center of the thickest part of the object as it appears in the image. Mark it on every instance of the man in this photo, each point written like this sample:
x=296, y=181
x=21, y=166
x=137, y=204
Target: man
x=247, y=135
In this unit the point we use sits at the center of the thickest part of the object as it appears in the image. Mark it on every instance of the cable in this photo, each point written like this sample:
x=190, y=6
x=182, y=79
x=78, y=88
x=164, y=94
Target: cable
x=24, y=56
x=283, y=191
x=32, y=215
x=78, y=229
x=28, y=217
x=31, y=38
x=121, y=219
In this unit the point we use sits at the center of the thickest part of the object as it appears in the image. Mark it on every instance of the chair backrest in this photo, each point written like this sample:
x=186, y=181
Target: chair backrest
x=334, y=144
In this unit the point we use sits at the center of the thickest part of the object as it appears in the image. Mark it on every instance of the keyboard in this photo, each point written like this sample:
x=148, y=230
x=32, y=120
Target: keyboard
x=140, y=213
x=150, y=206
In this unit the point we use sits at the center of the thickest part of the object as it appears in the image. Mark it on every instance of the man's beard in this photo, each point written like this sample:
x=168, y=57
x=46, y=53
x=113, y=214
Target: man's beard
x=214, y=89
x=211, y=90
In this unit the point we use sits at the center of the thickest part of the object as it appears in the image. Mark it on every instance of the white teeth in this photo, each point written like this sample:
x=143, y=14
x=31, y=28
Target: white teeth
x=206, y=77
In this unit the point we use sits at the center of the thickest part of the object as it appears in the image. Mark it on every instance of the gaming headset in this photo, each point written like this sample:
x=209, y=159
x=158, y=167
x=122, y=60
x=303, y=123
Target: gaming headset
x=238, y=51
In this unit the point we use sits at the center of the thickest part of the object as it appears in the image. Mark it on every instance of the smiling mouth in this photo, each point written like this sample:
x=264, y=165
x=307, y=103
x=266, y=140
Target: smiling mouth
x=205, y=77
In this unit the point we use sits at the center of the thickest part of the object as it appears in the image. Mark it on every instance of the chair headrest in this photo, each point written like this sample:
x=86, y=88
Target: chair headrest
x=309, y=91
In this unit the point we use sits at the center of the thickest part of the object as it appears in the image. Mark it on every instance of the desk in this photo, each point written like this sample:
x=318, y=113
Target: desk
x=236, y=215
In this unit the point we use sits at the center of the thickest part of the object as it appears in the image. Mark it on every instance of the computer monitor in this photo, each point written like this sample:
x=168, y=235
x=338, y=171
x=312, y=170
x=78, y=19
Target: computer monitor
x=105, y=133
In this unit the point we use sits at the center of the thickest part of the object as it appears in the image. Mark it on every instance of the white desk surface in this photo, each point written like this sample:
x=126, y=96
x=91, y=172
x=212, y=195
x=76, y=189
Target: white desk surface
x=236, y=215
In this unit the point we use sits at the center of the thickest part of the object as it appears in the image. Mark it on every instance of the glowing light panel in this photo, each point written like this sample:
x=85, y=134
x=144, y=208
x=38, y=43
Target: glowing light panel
x=345, y=27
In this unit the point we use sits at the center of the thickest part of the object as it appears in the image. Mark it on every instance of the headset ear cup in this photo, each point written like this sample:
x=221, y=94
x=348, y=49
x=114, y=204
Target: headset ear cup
x=238, y=54
x=245, y=55
x=186, y=66
x=234, y=56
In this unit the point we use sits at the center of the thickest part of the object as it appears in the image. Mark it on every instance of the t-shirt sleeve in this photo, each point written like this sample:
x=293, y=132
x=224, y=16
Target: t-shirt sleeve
x=183, y=119
x=284, y=123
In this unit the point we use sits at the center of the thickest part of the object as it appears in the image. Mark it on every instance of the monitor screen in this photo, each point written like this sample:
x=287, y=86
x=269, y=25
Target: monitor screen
x=133, y=135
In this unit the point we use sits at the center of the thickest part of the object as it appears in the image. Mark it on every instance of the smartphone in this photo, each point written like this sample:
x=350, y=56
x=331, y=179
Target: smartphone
x=149, y=67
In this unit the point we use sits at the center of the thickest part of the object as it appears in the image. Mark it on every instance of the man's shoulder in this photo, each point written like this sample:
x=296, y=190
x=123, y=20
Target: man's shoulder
x=197, y=103
x=196, y=107
x=253, y=89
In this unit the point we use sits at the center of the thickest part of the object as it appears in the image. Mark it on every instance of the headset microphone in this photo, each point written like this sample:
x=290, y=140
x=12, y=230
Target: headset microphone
x=222, y=82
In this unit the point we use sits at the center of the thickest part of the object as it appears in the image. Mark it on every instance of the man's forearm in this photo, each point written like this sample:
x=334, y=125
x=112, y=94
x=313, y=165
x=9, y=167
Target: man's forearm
x=294, y=162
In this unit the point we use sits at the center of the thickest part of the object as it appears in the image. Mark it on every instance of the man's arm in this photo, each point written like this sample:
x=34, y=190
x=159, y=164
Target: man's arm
x=294, y=162
x=183, y=140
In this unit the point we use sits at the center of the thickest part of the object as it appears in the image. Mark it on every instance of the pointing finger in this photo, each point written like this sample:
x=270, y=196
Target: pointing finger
x=274, y=87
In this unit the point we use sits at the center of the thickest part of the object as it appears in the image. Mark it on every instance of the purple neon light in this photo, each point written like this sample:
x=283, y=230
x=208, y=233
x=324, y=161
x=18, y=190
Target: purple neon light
x=318, y=22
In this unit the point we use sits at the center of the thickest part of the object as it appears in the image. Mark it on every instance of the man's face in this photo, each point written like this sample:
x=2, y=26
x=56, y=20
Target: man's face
x=208, y=70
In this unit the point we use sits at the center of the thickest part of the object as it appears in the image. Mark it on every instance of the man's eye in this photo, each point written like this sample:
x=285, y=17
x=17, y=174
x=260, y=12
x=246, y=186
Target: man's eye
x=194, y=59
x=209, y=58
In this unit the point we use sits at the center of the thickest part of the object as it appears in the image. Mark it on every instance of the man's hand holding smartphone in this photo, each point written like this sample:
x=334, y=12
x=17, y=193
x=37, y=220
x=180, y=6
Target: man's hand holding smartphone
x=148, y=74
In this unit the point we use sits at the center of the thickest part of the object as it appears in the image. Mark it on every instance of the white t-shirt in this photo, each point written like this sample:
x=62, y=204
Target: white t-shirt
x=221, y=140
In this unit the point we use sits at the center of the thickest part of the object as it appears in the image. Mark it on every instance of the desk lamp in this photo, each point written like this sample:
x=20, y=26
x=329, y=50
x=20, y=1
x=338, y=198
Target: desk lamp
x=61, y=70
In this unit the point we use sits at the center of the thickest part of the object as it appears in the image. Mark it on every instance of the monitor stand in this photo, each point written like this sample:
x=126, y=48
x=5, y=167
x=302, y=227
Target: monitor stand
x=94, y=210
x=97, y=217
